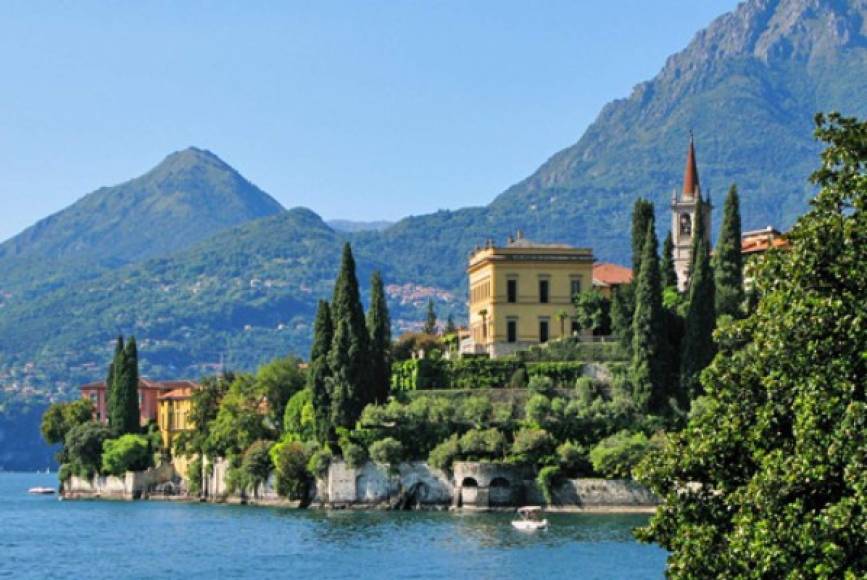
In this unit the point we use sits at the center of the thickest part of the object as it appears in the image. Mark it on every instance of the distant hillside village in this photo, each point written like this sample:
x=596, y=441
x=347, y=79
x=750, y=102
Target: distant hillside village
x=568, y=368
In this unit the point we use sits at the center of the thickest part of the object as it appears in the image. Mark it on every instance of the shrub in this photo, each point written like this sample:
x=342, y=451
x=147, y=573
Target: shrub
x=573, y=458
x=545, y=481
x=537, y=410
x=531, y=446
x=128, y=452
x=256, y=465
x=562, y=373
x=292, y=477
x=388, y=451
x=487, y=444
x=475, y=411
x=540, y=384
x=518, y=380
x=353, y=454
x=320, y=460
x=615, y=456
x=83, y=447
x=443, y=455
x=299, y=419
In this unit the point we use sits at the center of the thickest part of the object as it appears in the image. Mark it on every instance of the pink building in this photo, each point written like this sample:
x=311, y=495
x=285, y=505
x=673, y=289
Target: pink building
x=148, y=397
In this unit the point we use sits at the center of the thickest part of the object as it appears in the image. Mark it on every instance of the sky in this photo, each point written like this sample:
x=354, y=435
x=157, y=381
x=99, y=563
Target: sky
x=361, y=110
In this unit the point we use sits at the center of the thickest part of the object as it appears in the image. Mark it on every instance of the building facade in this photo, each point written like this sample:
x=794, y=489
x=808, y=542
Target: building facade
x=148, y=397
x=173, y=418
x=684, y=209
x=520, y=294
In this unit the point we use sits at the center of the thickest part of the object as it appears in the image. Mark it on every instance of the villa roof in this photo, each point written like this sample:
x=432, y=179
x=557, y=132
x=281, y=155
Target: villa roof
x=606, y=274
x=177, y=394
x=149, y=384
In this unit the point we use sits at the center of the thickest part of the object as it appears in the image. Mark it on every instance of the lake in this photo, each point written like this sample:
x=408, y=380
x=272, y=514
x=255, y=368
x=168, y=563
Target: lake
x=42, y=537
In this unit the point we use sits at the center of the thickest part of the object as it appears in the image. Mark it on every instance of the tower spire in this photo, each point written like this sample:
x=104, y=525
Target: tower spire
x=691, y=186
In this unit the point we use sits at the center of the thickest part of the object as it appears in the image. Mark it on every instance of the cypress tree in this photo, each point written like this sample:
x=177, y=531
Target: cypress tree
x=727, y=260
x=450, y=325
x=123, y=408
x=622, y=305
x=666, y=268
x=648, y=336
x=317, y=379
x=109, y=379
x=642, y=215
x=348, y=359
x=700, y=243
x=697, y=346
x=430, y=322
x=379, y=328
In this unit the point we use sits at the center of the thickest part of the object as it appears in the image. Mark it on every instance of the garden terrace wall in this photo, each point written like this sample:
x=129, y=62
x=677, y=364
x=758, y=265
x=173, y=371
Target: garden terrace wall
x=478, y=373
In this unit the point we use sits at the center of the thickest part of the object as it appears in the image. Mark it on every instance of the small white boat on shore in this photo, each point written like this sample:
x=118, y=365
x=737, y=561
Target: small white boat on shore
x=530, y=519
x=41, y=490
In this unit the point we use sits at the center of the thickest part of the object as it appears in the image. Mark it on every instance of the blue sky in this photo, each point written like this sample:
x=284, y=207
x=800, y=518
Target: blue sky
x=359, y=110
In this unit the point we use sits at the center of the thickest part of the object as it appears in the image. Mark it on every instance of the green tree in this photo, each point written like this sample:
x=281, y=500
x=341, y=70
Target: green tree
x=83, y=447
x=128, y=452
x=319, y=373
x=379, y=327
x=430, y=321
x=727, y=260
x=299, y=421
x=123, y=408
x=593, y=312
x=278, y=381
x=775, y=453
x=242, y=418
x=615, y=456
x=642, y=217
x=697, y=345
x=450, y=325
x=60, y=418
x=290, y=460
x=349, y=384
x=666, y=266
x=388, y=451
x=648, y=337
x=622, y=306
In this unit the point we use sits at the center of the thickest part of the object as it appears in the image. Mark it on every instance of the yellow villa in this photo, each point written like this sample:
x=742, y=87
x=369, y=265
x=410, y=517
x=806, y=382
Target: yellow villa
x=174, y=413
x=521, y=294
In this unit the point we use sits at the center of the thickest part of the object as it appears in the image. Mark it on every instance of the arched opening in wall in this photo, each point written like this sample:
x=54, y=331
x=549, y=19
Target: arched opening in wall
x=500, y=492
x=469, y=491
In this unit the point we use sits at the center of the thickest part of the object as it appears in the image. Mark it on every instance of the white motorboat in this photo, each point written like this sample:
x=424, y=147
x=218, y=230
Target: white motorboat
x=41, y=490
x=530, y=519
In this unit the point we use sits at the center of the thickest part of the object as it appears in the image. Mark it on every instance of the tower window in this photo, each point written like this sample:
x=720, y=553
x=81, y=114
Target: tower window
x=512, y=291
x=685, y=224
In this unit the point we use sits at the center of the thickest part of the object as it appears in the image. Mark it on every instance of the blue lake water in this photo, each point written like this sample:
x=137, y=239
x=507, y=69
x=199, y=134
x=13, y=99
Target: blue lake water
x=41, y=537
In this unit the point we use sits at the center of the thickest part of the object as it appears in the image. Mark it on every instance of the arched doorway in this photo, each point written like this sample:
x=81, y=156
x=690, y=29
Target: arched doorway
x=469, y=491
x=500, y=492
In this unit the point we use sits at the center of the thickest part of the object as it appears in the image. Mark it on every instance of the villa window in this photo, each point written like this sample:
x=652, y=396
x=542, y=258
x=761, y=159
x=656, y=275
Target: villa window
x=576, y=330
x=543, y=331
x=543, y=291
x=574, y=286
x=512, y=330
x=512, y=291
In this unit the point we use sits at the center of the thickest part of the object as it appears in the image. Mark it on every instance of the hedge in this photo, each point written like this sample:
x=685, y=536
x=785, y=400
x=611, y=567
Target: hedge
x=476, y=373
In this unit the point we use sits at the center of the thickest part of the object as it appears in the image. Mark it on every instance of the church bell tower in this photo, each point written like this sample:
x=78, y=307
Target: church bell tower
x=684, y=208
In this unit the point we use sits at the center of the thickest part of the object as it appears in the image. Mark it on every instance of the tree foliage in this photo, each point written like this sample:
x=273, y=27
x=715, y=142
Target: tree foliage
x=727, y=259
x=317, y=379
x=768, y=479
x=593, y=312
x=83, y=447
x=430, y=320
x=379, y=327
x=60, y=418
x=123, y=404
x=697, y=346
x=128, y=452
x=667, y=272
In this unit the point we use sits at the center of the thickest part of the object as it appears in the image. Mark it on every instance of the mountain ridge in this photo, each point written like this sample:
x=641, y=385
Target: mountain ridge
x=748, y=86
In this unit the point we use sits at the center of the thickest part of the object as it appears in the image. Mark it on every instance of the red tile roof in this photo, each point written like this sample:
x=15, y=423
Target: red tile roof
x=148, y=384
x=605, y=274
x=177, y=394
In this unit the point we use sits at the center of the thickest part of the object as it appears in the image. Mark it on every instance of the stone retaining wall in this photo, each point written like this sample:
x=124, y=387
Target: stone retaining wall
x=471, y=485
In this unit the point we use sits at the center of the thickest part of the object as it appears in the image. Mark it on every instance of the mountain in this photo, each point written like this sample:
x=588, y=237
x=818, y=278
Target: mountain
x=188, y=197
x=238, y=284
x=351, y=226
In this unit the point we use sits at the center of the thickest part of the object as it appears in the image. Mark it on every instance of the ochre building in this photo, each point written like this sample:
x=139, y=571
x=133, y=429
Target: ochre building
x=521, y=294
